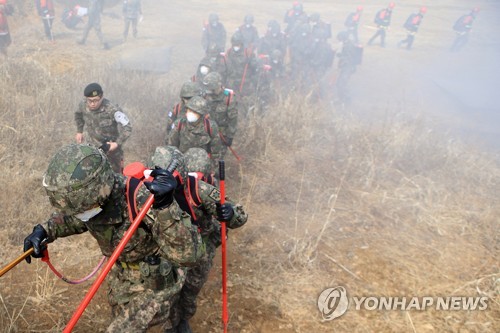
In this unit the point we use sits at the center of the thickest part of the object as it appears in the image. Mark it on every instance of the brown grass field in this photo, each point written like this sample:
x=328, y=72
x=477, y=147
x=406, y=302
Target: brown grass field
x=395, y=195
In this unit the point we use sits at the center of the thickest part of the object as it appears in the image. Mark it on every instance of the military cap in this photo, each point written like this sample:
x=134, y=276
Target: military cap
x=197, y=104
x=212, y=81
x=92, y=90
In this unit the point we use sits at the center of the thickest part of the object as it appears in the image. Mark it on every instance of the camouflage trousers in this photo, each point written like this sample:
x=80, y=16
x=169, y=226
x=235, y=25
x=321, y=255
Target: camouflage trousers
x=195, y=279
x=142, y=298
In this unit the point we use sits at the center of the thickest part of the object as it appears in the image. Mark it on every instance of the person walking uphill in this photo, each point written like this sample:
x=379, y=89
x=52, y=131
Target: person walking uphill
x=45, y=9
x=94, y=21
x=411, y=25
x=145, y=282
x=132, y=12
x=107, y=126
x=383, y=21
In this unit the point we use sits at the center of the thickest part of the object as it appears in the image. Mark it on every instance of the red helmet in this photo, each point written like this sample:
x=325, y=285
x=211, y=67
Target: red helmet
x=359, y=9
x=391, y=5
x=423, y=10
x=3, y=2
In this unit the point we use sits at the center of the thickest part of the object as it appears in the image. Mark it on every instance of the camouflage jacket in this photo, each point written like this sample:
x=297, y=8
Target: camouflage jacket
x=168, y=232
x=108, y=123
x=224, y=111
x=242, y=66
x=204, y=197
x=202, y=134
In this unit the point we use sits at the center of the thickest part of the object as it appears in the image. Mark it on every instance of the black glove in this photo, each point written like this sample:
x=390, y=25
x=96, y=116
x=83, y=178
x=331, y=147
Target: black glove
x=162, y=187
x=35, y=241
x=104, y=147
x=228, y=141
x=225, y=212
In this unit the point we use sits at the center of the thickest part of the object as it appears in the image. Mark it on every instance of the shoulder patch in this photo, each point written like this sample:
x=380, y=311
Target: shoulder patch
x=215, y=194
x=121, y=118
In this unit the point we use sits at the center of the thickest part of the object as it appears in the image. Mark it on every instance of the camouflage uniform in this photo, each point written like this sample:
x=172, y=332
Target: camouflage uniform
x=131, y=12
x=223, y=108
x=94, y=21
x=213, y=33
x=203, y=197
x=143, y=284
x=274, y=39
x=242, y=67
x=108, y=123
x=204, y=133
x=249, y=33
x=189, y=89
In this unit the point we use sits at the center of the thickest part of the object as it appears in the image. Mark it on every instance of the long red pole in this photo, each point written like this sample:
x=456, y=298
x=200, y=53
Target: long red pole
x=97, y=283
x=225, y=314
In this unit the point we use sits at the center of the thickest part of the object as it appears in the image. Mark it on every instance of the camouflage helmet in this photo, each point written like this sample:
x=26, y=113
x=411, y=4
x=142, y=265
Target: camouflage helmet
x=237, y=38
x=212, y=81
x=197, y=160
x=190, y=89
x=78, y=178
x=273, y=26
x=197, y=104
x=212, y=18
x=164, y=155
x=248, y=19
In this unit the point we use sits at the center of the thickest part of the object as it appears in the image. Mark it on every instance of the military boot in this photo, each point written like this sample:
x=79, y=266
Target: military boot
x=183, y=327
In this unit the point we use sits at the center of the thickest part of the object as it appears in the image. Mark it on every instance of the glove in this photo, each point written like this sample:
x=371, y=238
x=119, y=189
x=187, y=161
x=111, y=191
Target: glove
x=225, y=212
x=104, y=147
x=162, y=187
x=228, y=141
x=35, y=241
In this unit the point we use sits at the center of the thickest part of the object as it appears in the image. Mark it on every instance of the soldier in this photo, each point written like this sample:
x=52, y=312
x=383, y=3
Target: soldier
x=322, y=56
x=106, y=124
x=90, y=197
x=188, y=90
x=196, y=129
x=241, y=67
x=45, y=9
x=300, y=51
x=94, y=21
x=411, y=25
x=214, y=32
x=249, y=33
x=274, y=39
x=223, y=107
x=5, y=40
x=295, y=17
x=201, y=200
x=383, y=21
x=462, y=28
x=349, y=58
x=352, y=23
x=318, y=24
x=212, y=62
x=132, y=12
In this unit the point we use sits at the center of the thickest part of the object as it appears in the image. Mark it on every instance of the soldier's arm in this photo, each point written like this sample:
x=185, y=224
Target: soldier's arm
x=217, y=148
x=123, y=123
x=79, y=121
x=232, y=114
x=173, y=139
x=210, y=195
x=60, y=225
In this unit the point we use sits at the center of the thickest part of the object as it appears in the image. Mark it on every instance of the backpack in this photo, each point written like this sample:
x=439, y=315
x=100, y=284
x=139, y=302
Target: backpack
x=380, y=17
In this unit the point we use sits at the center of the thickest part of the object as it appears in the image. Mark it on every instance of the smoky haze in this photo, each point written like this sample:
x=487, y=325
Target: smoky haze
x=455, y=89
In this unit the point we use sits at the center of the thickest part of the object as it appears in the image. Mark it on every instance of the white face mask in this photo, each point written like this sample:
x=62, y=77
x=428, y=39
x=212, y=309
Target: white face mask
x=192, y=116
x=236, y=48
x=203, y=70
x=88, y=214
x=248, y=25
